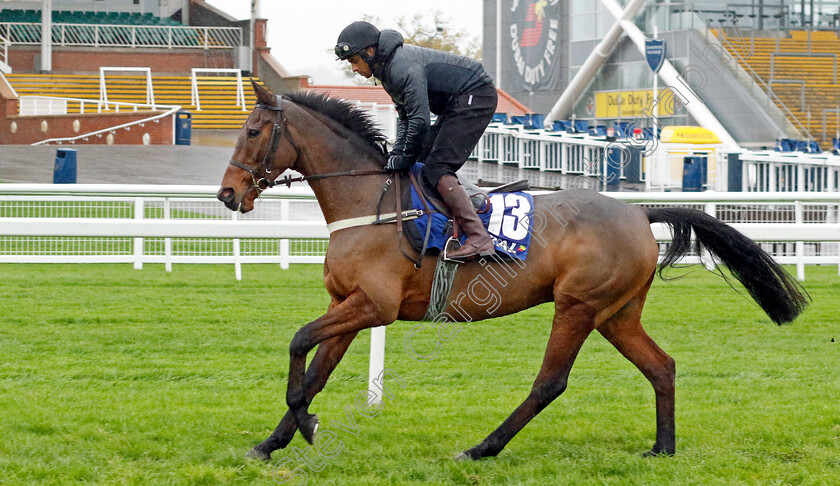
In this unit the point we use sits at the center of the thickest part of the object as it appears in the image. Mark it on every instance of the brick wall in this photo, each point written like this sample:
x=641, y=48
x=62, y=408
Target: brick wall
x=26, y=130
x=85, y=60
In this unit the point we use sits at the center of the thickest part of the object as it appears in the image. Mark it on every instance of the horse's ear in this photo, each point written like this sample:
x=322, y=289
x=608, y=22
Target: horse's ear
x=263, y=95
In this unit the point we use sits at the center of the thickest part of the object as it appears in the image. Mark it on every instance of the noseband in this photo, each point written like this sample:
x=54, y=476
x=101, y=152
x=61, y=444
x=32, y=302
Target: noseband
x=261, y=182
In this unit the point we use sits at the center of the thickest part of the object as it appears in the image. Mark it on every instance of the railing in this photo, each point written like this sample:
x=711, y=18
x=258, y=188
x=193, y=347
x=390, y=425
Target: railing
x=385, y=115
x=4, y=55
x=103, y=87
x=97, y=223
x=757, y=80
x=825, y=112
x=51, y=105
x=195, y=98
x=93, y=223
x=48, y=105
x=96, y=35
x=549, y=151
x=125, y=126
x=585, y=155
x=185, y=224
x=754, y=15
x=774, y=172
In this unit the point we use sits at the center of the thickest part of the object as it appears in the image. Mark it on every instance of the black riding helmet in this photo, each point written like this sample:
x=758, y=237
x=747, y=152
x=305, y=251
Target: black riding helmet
x=355, y=38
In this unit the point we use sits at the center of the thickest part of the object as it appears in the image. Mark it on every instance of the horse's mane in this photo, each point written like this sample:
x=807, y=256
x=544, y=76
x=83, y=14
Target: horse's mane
x=345, y=113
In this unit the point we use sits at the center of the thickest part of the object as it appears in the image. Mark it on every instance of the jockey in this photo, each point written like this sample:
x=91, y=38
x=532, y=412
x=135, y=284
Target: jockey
x=421, y=81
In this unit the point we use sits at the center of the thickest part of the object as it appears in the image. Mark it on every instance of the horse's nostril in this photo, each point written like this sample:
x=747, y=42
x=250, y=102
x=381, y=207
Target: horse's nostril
x=225, y=194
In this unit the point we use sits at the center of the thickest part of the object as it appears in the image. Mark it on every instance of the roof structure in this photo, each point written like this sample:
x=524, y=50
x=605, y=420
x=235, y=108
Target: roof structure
x=376, y=94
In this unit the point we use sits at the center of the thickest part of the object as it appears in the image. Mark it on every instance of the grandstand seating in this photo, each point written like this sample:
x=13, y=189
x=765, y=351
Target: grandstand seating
x=100, y=18
x=219, y=109
x=810, y=65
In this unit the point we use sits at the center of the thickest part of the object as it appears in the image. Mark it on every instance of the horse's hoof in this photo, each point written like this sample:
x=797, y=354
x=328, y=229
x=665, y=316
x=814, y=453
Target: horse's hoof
x=255, y=453
x=463, y=457
x=657, y=452
x=309, y=427
x=468, y=455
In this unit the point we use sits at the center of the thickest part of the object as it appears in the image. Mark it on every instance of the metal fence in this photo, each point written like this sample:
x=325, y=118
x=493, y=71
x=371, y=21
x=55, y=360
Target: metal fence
x=586, y=155
x=96, y=35
x=562, y=152
x=4, y=55
x=138, y=224
x=790, y=171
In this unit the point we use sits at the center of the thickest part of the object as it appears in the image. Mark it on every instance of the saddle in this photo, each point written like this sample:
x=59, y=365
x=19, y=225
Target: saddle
x=437, y=218
x=478, y=196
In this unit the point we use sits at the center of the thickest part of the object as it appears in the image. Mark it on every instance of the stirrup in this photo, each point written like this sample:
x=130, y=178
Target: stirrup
x=446, y=249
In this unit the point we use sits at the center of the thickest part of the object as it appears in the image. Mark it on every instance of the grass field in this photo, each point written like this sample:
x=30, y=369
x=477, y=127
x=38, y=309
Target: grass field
x=115, y=376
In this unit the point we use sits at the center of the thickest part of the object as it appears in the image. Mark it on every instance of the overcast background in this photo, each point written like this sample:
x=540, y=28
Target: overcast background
x=300, y=33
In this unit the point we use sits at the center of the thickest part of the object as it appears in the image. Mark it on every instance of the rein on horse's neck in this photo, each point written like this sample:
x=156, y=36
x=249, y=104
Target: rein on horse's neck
x=330, y=147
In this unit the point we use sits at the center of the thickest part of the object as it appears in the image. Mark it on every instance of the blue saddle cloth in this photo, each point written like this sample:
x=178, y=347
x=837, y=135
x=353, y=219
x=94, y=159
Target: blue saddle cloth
x=507, y=221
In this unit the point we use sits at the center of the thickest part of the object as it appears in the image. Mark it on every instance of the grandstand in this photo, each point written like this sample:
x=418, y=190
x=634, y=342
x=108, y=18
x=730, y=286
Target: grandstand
x=783, y=85
x=163, y=38
x=218, y=95
x=801, y=70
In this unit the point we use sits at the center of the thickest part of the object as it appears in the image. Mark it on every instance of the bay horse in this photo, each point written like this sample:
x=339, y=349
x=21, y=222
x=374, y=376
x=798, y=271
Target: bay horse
x=593, y=256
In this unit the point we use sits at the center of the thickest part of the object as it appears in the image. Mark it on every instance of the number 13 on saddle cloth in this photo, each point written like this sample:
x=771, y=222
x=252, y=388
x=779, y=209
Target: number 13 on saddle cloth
x=508, y=220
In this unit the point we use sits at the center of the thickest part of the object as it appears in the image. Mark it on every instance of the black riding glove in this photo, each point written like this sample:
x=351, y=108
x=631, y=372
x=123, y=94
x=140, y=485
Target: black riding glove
x=397, y=162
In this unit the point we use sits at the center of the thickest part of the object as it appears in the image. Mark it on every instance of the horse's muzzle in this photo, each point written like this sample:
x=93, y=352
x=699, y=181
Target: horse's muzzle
x=228, y=196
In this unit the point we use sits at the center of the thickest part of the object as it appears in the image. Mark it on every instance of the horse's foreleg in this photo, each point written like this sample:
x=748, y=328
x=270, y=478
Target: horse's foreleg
x=355, y=313
x=632, y=341
x=573, y=322
x=326, y=359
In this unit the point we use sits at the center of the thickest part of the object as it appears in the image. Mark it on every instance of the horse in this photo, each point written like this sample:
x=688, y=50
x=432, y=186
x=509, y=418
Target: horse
x=593, y=256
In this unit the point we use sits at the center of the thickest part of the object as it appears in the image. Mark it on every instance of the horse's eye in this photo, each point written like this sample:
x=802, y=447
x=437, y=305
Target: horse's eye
x=253, y=132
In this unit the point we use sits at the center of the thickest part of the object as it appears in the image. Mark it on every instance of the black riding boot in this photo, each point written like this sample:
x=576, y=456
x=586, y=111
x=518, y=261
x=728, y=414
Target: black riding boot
x=478, y=241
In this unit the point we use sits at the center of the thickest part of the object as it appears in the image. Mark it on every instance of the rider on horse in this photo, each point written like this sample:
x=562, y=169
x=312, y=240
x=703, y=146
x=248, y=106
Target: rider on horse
x=419, y=80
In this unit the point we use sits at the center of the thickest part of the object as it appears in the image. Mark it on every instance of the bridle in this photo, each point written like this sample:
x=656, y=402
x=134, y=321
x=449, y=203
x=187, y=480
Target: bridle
x=259, y=176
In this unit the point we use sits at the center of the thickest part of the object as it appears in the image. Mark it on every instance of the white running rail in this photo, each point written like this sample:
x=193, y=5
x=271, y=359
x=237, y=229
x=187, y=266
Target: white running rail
x=89, y=223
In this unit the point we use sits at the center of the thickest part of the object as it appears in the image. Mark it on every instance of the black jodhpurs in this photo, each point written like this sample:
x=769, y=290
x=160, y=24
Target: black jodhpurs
x=456, y=132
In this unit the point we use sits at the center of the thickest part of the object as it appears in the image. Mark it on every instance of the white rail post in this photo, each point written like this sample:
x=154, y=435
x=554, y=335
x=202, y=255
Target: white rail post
x=284, y=242
x=377, y=361
x=167, y=242
x=706, y=257
x=800, y=245
x=139, y=208
x=237, y=251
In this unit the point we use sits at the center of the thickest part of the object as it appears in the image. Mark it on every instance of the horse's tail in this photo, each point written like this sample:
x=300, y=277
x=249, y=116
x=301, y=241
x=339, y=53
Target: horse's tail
x=775, y=291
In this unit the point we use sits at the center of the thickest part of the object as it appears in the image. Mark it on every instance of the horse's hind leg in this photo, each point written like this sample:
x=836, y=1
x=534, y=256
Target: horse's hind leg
x=326, y=358
x=624, y=330
x=573, y=322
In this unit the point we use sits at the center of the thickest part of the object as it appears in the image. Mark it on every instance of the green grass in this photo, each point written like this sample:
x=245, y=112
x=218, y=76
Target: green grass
x=115, y=376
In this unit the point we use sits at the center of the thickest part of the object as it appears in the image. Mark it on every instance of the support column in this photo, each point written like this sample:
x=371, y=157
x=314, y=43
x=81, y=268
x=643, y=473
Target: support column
x=563, y=108
x=46, y=36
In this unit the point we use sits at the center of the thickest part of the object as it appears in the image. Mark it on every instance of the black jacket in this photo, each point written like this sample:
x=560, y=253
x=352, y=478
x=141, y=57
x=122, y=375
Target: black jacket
x=419, y=81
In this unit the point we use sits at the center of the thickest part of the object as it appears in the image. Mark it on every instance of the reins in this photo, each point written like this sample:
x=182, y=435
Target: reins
x=264, y=182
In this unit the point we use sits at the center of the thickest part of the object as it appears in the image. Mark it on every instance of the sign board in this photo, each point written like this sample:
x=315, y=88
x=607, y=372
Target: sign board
x=655, y=53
